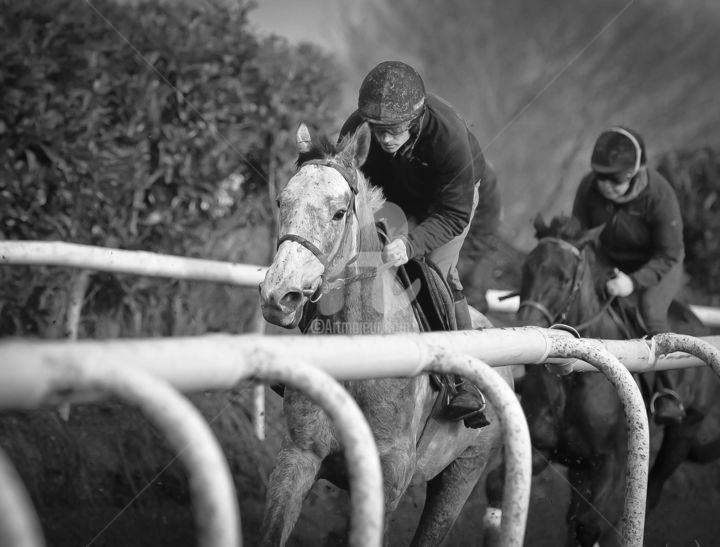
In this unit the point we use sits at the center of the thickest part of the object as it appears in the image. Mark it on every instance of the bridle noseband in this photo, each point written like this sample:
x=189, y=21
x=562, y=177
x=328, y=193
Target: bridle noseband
x=350, y=176
x=577, y=281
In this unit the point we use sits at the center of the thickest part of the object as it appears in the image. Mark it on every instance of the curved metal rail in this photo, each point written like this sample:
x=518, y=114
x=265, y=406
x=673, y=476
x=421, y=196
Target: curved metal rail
x=19, y=525
x=516, y=438
x=638, y=458
x=670, y=342
x=364, y=471
x=187, y=432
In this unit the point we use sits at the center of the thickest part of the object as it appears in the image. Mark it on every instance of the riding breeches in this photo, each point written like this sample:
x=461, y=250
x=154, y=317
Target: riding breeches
x=447, y=255
x=654, y=301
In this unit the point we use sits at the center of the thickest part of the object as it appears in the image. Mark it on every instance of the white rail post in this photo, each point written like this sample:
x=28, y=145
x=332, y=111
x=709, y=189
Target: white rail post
x=19, y=525
x=638, y=459
x=515, y=433
x=258, y=416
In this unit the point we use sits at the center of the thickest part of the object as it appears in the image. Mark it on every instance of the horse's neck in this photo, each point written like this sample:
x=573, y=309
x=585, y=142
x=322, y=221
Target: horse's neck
x=377, y=303
x=588, y=306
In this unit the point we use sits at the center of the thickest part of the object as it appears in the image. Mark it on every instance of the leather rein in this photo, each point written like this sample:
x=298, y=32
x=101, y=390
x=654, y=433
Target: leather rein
x=329, y=284
x=576, y=283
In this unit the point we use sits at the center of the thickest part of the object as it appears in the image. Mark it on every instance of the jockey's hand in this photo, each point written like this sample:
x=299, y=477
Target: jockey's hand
x=620, y=284
x=395, y=252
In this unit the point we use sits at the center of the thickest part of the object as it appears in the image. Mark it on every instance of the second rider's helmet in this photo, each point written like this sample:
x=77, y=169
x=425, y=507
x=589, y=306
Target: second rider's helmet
x=618, y=149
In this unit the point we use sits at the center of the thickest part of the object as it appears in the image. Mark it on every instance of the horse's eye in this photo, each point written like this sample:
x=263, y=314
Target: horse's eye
x=340, y=214
x=277, y=202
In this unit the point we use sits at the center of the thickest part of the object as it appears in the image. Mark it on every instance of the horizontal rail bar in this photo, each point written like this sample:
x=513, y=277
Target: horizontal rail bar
x=73, y=255
x=28, y=367
x=507, y=301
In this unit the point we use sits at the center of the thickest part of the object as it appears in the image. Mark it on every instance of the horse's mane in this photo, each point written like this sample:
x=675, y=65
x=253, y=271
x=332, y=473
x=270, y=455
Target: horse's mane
x=568, y=229
x=562, y=227
x=369, y=198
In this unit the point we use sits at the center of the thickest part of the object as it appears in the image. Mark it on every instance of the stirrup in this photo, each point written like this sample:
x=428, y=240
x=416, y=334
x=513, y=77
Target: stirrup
x=667, y=392
x=474, y=418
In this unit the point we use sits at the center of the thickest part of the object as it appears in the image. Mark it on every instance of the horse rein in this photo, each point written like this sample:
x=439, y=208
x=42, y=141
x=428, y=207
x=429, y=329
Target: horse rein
x=577, y=280
x=560, y=317
x=326, y=285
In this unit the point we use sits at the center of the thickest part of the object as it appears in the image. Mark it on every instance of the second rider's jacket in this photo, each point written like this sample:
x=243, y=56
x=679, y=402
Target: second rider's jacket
x=643, y=234
x=432, y=177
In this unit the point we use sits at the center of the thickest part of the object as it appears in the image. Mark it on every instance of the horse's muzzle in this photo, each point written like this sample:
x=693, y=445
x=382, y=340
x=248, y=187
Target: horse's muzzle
x=284, y=310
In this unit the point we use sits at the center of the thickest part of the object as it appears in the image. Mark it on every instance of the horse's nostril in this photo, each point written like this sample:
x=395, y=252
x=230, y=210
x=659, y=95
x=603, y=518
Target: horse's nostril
x=291, y=299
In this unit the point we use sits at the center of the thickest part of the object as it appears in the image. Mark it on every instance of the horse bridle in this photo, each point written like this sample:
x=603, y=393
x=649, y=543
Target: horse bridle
x=577, y=280
x=350, y=176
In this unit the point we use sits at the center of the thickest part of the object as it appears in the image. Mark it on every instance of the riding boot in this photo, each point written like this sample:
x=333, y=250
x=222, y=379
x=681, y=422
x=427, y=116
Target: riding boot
x=666, y=407
x=467, y=404
x=466, y=401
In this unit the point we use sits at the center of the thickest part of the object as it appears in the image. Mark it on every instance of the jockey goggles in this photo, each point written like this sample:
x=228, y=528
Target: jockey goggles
x=617, y=179
x=394, y=129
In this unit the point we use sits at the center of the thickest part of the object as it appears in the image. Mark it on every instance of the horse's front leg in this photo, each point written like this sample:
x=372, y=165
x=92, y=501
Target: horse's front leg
x=448, y=492
x=290, y=481
x=398, y=467
x=677, y=443
x=296, y=467
x=596, y=498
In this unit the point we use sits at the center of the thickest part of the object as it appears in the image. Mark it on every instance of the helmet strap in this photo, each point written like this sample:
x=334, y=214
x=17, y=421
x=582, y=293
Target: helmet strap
x=636, y=144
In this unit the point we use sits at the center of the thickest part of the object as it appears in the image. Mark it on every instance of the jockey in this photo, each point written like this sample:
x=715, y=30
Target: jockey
x=431, y=167
x=642, y=241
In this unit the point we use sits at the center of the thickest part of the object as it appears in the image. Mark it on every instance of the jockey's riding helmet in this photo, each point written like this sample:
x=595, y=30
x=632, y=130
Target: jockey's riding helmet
x=392, y=93
x=618, y=149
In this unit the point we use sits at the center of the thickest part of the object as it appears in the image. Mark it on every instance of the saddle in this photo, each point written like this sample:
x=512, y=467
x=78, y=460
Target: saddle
x=433, y=305
x=430, y=295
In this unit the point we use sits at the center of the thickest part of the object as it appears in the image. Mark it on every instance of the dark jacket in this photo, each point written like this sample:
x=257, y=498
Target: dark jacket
x=432, y=177
x=643, y=236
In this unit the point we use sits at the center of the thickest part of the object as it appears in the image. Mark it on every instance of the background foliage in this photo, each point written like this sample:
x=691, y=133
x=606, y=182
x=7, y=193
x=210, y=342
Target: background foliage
x=117, y=135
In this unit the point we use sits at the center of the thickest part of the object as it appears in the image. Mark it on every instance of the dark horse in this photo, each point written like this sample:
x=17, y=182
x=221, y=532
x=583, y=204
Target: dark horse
x=577, y=420
x=328, y=237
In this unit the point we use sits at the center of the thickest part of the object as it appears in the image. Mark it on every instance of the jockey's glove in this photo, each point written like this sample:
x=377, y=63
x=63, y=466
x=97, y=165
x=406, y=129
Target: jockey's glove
x=395, y=252
x=620, y=285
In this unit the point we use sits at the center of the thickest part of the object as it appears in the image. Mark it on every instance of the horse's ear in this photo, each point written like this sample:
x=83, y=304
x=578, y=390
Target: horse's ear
x=356, y=148
x=539, y=225
x=303, y=140
x=590, y=236
x=362, y=147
